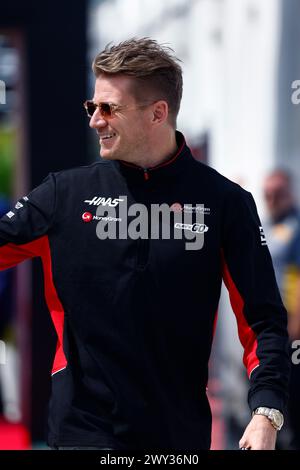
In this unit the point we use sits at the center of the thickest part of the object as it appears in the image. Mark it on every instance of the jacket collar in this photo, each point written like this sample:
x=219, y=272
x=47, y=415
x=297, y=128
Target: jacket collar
x=167, y=169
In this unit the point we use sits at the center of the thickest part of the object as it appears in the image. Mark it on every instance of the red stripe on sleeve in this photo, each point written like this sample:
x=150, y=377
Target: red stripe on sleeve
x=246, y=334
x=54, y=305
x=11, y=255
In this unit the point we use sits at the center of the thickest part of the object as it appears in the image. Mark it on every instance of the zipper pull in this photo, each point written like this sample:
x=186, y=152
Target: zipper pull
x=146, y=174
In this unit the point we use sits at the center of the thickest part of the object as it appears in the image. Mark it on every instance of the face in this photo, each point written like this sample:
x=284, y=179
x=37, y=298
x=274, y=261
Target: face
x=277, y=195
x=124, y=135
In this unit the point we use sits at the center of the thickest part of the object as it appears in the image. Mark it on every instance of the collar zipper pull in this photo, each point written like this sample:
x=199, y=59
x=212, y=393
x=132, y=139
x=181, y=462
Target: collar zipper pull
x=146, y=174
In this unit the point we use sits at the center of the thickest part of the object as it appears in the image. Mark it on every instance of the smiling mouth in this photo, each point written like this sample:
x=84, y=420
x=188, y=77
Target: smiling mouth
x=107, y=136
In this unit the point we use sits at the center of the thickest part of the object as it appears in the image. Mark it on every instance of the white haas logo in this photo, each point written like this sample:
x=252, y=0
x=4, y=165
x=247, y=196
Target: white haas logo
x=102, y=201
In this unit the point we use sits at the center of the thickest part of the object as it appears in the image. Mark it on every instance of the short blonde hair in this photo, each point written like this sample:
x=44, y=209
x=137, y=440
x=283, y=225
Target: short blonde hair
x=154, y=67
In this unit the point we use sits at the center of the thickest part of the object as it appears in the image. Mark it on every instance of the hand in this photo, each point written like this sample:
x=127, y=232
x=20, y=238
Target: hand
x=259, y=434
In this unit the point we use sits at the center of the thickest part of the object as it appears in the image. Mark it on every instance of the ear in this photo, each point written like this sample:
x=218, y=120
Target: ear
x=160, y=111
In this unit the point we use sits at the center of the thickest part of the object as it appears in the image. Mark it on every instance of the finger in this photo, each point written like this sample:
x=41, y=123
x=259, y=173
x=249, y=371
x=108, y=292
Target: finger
x=242, y=442
x=244, y=445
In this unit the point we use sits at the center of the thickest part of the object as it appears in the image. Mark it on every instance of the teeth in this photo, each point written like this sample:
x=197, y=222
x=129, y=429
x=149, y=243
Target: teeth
x=108, y=136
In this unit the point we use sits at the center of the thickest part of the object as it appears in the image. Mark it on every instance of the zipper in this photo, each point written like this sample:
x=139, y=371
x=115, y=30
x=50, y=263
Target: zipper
x=146, y=174
x=142, y=253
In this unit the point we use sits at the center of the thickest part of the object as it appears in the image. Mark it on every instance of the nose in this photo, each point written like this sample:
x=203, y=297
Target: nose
x=97, y=120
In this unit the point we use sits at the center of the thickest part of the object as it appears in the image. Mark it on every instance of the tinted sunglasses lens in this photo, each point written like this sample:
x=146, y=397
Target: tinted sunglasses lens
x=105, y=109
x=90, y=107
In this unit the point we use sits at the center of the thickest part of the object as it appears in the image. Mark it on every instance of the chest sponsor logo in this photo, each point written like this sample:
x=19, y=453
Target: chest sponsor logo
x=176, y=207
x=198, y=228
x=87, y=217
x=198, y=208
x=155, y=221
x=190, y=209
x=102, y=201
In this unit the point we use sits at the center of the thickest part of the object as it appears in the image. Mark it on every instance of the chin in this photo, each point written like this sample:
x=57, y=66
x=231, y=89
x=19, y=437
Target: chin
x=106, y=155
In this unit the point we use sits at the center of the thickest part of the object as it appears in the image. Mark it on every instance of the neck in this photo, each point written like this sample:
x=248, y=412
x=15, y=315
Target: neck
x=163, y=148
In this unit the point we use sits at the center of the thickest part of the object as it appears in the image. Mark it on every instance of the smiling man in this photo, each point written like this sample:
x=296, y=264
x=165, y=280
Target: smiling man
x=134, y=315
x=127, y=136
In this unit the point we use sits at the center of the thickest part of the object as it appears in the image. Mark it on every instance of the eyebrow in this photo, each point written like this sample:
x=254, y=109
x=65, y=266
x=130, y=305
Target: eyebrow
x=101, y=101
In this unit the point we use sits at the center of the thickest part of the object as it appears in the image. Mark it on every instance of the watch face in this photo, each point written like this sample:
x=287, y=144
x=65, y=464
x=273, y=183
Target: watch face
x=277, y=417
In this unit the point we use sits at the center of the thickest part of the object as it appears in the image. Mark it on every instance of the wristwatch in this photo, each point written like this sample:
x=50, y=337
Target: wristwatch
x=275, y=416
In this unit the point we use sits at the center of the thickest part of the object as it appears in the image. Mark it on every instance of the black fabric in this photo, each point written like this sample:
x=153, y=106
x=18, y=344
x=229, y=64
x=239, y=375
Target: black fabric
x=139, y=314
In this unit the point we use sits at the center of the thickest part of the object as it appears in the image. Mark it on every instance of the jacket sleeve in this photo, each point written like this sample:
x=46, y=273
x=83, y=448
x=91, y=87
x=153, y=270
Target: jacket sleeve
x=23, y=228
x=261, y=317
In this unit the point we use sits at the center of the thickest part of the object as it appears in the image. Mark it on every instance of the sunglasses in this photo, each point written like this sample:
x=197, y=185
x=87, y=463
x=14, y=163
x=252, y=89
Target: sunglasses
x=107, y=110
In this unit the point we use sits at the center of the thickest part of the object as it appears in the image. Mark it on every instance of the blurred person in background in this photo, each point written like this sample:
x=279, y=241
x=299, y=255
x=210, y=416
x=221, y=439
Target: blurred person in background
x=135, y=318
x=283, y=236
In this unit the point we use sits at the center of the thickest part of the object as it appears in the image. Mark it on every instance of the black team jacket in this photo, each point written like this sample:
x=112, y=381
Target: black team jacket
x=135, y=316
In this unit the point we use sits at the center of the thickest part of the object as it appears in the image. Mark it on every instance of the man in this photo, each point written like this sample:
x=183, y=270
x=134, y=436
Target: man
x=135, y=315
x=283, y=234
x=283, y=230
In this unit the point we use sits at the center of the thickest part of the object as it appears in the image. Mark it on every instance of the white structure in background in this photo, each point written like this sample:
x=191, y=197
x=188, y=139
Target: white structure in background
x=231, y=52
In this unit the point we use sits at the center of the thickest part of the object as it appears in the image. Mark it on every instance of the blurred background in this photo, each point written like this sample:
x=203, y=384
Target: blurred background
x=240, y=59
